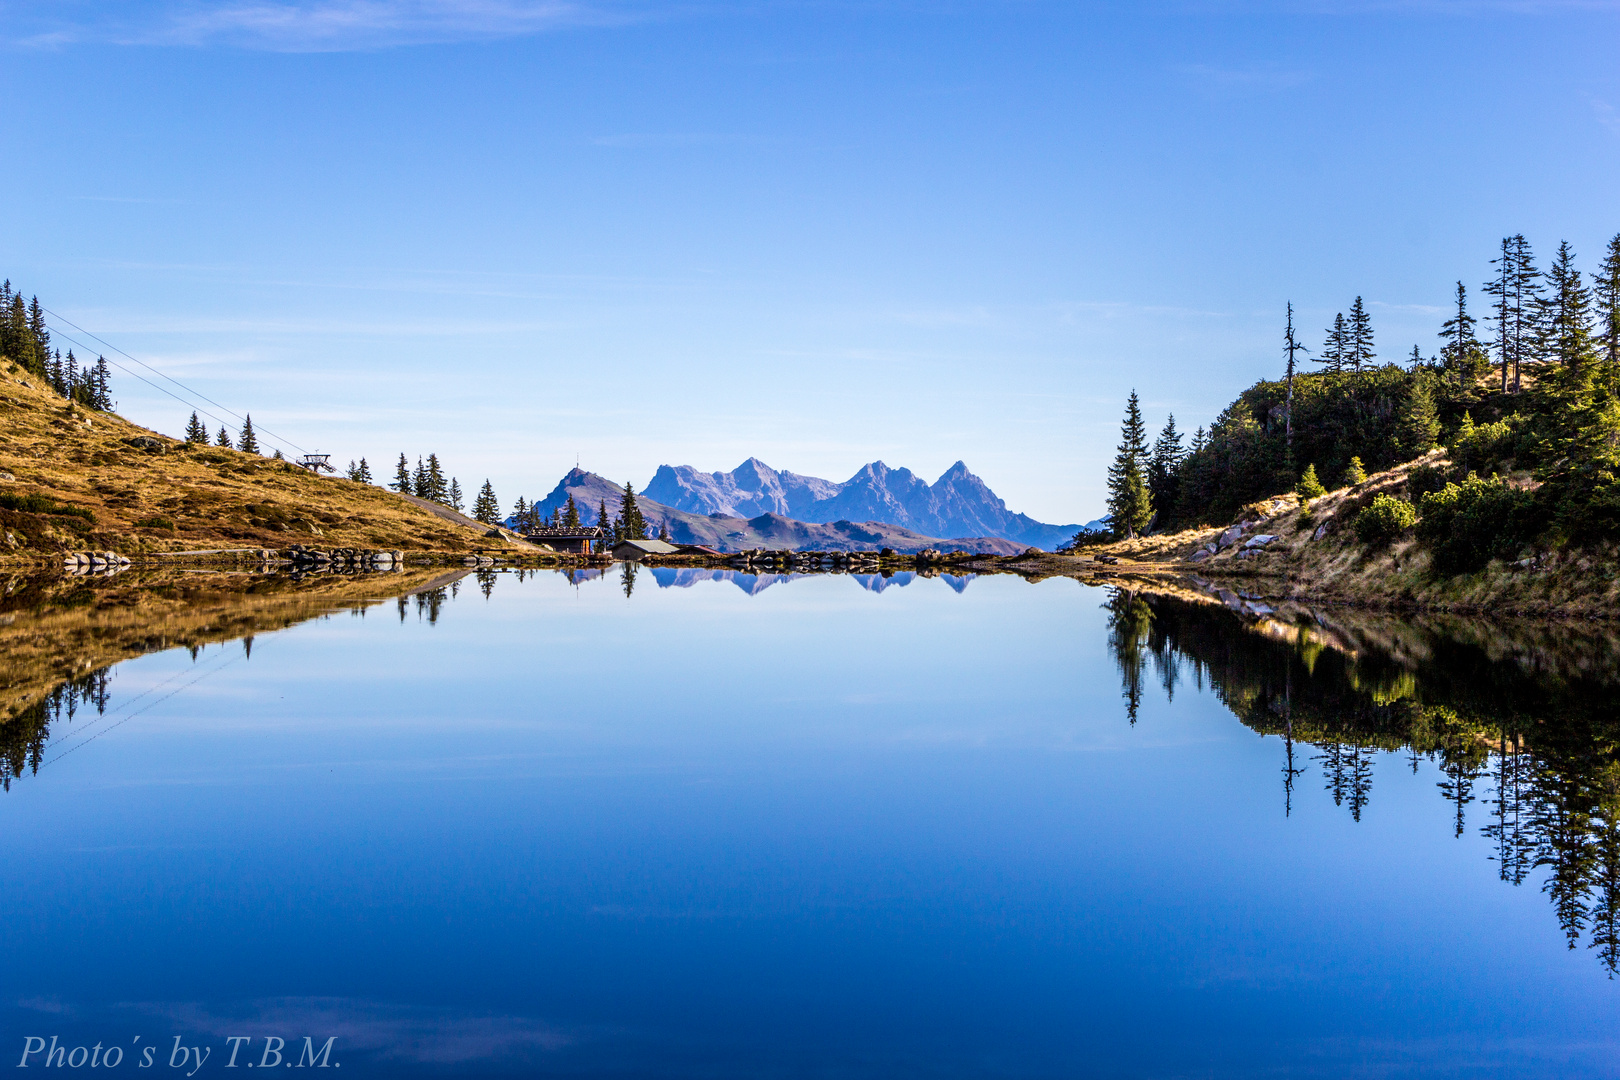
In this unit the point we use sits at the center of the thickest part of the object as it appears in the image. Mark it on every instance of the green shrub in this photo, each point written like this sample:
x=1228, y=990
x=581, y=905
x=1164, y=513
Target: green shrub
x=156, y=522
x=1425, y=479
x=1481, y=446
x=1309, y=487
x=1355, y=473
x=34, y=503
x=1385, y=518
x=1469, y=524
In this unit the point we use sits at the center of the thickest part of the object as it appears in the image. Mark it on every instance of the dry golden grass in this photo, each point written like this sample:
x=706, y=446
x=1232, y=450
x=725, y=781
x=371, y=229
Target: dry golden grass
x=1336, y=567
x=214, y=497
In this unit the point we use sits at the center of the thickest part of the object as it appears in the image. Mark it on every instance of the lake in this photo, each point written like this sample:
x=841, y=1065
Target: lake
x=675, y=823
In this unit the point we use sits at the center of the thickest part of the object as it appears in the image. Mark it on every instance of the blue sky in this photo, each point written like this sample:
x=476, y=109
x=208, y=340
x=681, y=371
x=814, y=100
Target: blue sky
x=821, y=233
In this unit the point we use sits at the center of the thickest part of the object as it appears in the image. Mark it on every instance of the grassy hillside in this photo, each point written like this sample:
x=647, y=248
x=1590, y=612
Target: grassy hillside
x=73, y=479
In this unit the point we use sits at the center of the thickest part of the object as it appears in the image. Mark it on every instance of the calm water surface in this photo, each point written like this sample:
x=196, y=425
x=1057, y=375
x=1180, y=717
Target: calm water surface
x=701, y=825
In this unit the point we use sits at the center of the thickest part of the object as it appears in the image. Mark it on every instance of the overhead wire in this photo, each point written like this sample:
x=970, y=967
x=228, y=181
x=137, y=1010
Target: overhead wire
x=195, y=393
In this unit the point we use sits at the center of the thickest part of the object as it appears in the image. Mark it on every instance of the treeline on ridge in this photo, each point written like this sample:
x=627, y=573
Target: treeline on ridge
x=1531, y=411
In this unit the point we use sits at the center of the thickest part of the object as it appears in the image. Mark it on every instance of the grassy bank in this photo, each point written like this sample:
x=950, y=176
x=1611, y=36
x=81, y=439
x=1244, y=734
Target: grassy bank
x=75, y=479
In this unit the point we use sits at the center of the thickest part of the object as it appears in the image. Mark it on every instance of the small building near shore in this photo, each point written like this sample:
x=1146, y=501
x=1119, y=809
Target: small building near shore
x=560, y=538
x=632, y=550
x=698, y=549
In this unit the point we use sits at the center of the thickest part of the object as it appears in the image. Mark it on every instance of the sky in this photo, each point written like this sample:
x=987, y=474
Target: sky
x=521, y=233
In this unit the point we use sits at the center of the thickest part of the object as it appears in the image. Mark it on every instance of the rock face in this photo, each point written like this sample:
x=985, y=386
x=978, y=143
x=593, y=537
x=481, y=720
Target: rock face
x=957, y=504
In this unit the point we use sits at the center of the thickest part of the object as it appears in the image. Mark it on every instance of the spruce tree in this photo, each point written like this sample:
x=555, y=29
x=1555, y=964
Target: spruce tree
x=433, y=480
x=1420, y=421
x=1355, y=473
x=1606, y=293
x=1335, y=348
x=40, y=336
x=1359, y=343
x=249, y=443
x=353, y=472
x=402, y=476
x=1566, y=312
x=1517, y=289
x=487, y=508
x=364, y=475
x=1309, y=487
x=520, y=511
x=632, y=526
x=453, y=500
x=1130, y=506
x=103, y=385
x=570, y=514
x=419, y=480
x=1461, y=347
x=1291, y=346
x=1164, y=467
x=224, y=437
x=195, y=432
x=609, y=532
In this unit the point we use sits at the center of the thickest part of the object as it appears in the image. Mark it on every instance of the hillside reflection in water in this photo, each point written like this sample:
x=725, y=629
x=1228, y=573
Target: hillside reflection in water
x=666, y=822
x=1520, y=718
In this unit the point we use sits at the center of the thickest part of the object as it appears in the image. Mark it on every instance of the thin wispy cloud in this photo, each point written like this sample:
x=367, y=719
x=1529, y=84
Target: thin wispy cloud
x=318, y=25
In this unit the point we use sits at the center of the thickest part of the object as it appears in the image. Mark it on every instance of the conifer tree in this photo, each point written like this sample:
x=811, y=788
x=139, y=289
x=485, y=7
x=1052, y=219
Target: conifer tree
x=1461, y=347
x=1355, y=473
x=570, y=514
x=103, y=385
x=402, y=477
x=1566, y=312
x=663, y=532
x=1337, y=345
x=419, y=479
x=224, y=437
x=609, y=532
x=454, y=498
x=1359, y=343
x=433, y=480
x=520, y=511
x=364, y=476
x=1309, y=487
x=39, y=335
x=1291, y=346
x=1606, y=290
x=1517, y=289
x=487, y=508
x=353, y=472
x=1164, y=466
x=632, y=526
x=1420, y=422
x=1130, y=506
x=195, y=432
x=249, y=443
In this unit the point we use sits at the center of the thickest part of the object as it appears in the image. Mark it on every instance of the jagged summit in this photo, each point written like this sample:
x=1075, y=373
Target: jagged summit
x=959, y=503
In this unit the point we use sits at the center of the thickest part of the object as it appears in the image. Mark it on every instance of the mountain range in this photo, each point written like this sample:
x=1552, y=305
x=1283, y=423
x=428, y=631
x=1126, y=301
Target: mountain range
x=958, y=504
x=772, y=529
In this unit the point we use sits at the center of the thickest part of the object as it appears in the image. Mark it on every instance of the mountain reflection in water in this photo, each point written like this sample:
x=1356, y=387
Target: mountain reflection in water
x=1519, y=717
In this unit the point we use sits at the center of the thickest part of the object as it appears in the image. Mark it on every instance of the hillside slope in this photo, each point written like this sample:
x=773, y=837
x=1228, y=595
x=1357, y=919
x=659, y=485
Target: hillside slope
x=1315, y=555
x=78, y=479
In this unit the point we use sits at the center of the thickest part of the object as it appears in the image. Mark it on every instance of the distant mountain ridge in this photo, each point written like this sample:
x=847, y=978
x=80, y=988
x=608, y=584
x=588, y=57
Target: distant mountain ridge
x=771, y=530
x=957, y=504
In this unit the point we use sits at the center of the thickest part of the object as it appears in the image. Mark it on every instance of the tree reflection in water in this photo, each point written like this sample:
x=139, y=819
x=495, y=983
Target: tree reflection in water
x=1520, y=720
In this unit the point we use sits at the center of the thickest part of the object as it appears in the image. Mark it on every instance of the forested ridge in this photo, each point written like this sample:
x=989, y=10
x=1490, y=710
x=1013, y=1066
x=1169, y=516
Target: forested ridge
x=1525, y=396
x=25, y=339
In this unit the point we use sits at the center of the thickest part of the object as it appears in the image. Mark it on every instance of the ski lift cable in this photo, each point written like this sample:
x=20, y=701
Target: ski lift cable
x=137, y=375
x=160, y=375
